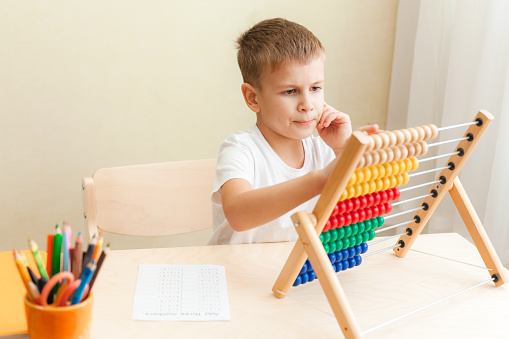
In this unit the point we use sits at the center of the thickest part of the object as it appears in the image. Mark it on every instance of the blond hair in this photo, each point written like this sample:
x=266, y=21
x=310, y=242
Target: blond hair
x=271, y=43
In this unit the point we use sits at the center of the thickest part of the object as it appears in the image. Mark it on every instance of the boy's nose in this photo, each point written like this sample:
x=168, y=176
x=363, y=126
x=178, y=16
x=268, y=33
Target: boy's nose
x=305, y=104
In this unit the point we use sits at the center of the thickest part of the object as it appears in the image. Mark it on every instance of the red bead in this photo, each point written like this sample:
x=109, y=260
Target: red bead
x=369, y=213
x=335, y=211
x=363, y=202
x=375, y=211
x=362, y=214
x=333, y=222
x=376, y=197
x=349, y=205
x=327, y=226
x=341, y=220
x=341, y=207
x=356, y=204
x=348, y=219
x=370, y=199
x=381, y=209
x=390, y=195
x=396, y=192
x=355, y=217
x=383, y=196
x=388, y=207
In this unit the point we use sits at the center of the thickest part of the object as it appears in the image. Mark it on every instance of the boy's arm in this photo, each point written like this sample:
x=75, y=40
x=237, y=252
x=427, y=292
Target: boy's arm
x=246, y=208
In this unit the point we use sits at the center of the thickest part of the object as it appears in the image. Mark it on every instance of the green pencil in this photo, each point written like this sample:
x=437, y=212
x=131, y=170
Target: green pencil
x=37, y=257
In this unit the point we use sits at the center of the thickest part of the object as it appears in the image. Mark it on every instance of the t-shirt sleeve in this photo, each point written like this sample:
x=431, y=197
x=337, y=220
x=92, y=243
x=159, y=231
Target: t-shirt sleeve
x=235, y=161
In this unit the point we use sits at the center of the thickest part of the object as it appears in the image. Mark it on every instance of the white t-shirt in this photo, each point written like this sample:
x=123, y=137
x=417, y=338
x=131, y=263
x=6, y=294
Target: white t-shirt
x=247, y=155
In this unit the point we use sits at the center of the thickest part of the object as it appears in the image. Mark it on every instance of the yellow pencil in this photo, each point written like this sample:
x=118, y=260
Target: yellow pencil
x=23, y=272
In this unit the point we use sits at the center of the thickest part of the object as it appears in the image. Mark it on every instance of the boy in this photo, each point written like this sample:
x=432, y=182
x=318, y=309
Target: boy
x=277, y=167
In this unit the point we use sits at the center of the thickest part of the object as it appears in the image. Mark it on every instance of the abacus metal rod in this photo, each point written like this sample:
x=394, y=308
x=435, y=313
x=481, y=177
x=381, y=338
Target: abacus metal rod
x=394, y=226
x=447, y=141
x=418, y=186
x=411, y=199
x=428, y=171
x=456, y=126
x=438, y=156
x=426, y=306
x=382, y=250
x=404, y=212
x=387, y=238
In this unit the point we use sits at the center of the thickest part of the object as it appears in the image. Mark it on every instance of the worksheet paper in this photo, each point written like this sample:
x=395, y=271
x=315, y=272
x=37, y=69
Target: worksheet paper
x=181, y=293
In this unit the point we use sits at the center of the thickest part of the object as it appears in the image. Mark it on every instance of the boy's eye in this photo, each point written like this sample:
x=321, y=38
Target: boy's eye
x=315, y=88
x=289, y=92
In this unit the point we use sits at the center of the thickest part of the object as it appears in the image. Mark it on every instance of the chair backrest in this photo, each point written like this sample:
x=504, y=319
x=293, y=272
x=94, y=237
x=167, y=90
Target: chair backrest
x=150, y=200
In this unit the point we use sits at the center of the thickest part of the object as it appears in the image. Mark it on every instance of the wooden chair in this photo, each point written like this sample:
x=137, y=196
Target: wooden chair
x=150, y=200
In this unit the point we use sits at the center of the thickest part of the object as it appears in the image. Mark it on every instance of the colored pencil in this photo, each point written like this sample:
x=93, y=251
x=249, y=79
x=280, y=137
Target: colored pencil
x=37, y=257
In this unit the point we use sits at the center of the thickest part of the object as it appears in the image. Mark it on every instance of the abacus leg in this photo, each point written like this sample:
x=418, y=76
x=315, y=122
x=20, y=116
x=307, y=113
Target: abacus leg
x=326, y=275
x=477, y=232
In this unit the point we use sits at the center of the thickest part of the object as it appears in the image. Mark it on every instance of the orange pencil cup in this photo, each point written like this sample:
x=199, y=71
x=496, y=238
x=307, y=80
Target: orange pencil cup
x=59, y=322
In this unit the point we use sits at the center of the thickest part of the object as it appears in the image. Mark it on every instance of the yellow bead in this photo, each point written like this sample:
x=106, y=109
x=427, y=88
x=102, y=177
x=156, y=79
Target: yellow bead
x=381, y=170
x=379, y=185
x=351, y=192
x=358, y=190
x=399, y=179
x=344, y=195
x=365, y=187
x=402, y=166
x=406, y=178
x=367, y=173
x=393, y=180
x=352, y=180
x=374, y=172
x=408, y=164
x=388, y=170
x=360, y=175
x=415, y=163
x=387, y=183
x=372, y=186
x=395, y=168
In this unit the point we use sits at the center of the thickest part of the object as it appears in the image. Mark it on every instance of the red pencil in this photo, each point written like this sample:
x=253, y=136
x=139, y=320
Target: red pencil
x=49, y=256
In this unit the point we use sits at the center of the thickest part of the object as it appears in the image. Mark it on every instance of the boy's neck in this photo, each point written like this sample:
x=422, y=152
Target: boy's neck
x=291, y=151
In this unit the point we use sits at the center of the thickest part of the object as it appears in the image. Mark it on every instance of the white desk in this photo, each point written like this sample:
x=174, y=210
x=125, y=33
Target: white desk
x=381, y=288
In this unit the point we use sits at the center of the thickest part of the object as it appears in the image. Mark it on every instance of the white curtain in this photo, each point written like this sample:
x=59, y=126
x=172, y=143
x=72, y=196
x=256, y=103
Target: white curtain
x=451, y=59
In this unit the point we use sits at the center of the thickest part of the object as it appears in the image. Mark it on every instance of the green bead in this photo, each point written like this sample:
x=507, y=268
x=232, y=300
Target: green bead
x=346, y=243
x=358, y=238
x=339, y=244
x=332, y=246
x=365, y=236
x=341, y=232
x=355, y=229
x=321, y=237
x=374, y=221
x=326, y=237
x=333, y=234
x=326, y=247
x=348, y=231
x=369, y=224
x=380, y=221
x=362, y=226
x=371, y=234
x=352, y=240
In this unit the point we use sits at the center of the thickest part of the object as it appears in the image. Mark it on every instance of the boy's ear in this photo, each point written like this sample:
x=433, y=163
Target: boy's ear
x=250, y=96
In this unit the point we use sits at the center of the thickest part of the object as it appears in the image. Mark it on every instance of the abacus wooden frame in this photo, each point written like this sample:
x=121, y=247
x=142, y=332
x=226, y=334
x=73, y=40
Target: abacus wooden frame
x=310, y=225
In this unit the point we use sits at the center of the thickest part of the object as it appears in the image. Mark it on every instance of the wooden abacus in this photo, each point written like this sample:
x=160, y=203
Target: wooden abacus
x=375, y=150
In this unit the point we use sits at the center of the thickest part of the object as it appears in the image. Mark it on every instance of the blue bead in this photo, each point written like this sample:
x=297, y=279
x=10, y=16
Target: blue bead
x=364, y=247
x=332, y=257
x=345, y=264
x=358, y=260
x=358, y=249
x=312, y=276
x=351, y=262
x=344, y=253
x=304, y=277
x=304, y=269
x=351, y=252
x=297, y=281
x=339, y=266
x=339, y=255
x=310, y=268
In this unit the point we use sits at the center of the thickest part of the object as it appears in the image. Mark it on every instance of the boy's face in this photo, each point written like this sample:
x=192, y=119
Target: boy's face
x=291, y=100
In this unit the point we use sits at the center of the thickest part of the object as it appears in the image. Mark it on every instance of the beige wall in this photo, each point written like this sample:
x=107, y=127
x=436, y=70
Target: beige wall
x=86, y=85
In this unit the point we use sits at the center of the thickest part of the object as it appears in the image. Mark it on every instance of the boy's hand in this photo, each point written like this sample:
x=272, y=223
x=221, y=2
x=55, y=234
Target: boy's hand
x=369, y=129
x=334, y=128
